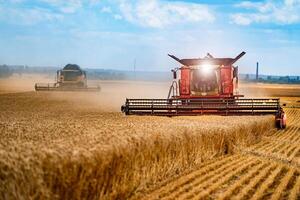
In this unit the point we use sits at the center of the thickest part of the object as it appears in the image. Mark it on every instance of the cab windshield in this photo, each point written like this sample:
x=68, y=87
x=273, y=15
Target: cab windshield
x=204, y=82
x=71, y=75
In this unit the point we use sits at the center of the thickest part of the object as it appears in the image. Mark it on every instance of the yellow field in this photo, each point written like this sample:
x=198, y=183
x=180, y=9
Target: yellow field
x=78, y=145
x=269, y=169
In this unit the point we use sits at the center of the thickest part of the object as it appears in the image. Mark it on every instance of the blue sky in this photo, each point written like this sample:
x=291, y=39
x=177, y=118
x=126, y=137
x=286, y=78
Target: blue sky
x=113, y=33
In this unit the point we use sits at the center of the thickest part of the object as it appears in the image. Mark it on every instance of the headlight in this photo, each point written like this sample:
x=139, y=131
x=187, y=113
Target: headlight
x=206, y=69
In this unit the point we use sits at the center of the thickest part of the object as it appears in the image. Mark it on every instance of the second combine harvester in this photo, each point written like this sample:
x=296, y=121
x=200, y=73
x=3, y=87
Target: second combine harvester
x=70, y=78
x=206, y=86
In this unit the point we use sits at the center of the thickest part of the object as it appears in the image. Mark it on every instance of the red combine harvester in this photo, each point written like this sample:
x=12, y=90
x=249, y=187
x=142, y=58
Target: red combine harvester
x=206, y=86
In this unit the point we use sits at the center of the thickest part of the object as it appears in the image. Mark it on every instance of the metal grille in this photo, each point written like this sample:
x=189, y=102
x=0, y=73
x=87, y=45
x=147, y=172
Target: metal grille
x=169, y=107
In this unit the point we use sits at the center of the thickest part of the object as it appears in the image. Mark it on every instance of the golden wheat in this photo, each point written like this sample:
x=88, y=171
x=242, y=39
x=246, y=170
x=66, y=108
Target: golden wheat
x=272, y=173
x=78, y=146
x=283, y=184
x=295, y=192
x=53, y=147
x=244, y=179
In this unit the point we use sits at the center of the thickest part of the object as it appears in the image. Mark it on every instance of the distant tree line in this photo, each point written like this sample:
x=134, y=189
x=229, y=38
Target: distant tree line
x=271, y=79
x=105, y=74
x=102, y=74
x=108, y=74
x=5, y=71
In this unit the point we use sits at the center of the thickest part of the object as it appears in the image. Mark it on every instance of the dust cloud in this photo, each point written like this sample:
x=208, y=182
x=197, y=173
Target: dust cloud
x=109, y=99
x=114, y=93
x=24, y=83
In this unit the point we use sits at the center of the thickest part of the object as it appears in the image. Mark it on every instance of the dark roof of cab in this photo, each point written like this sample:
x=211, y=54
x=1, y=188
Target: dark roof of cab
x=71, y=67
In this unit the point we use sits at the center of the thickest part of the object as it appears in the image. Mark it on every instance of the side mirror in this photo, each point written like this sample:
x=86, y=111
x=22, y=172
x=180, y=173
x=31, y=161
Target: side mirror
x=174, y=74
x=235, y=72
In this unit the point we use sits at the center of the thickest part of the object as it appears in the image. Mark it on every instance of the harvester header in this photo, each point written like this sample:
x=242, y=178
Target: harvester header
x=206, y=85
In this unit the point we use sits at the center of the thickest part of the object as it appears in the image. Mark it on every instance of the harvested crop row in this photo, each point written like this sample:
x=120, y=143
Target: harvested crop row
x=224, y=177
x=254, y=179
x=283, y=184
x=295, y=191
x=205, y=169
x=253, y=183
x=271, y=174
x=233, y=188
x=188, y=190
x=284, y=145
x=261, y=190
x=182, y=184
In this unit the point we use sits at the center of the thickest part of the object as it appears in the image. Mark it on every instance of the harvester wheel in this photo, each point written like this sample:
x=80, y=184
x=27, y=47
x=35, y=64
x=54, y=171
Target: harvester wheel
x=124, y=109
x=280, y=120
x=284, y=120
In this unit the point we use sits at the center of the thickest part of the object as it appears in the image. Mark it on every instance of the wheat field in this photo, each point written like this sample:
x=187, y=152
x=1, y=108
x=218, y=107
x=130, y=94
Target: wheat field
x=269, y=169
x=79, y=146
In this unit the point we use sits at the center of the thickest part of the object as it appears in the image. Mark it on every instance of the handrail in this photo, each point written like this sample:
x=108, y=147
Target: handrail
x=173, y=89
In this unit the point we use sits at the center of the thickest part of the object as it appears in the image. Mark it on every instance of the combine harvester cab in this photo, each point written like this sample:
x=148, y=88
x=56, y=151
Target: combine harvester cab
x=206, y=86
x=70, y=78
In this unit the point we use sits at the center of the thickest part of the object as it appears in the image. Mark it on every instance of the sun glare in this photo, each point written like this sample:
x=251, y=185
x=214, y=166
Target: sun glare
x=206, y=68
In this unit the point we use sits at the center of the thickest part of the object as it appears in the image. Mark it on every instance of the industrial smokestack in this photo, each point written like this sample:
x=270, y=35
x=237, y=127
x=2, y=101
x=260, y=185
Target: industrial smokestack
x=257, y=71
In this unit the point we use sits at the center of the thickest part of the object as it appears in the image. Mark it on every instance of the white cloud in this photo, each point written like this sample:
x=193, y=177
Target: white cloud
x=67, y=6
x=15, y=1
x=260, y=6
x=27, y=16
x=158, y=14
x=106, y=9
x=94, y=2
x=291, y=2
x=240, y=19
x=118, y=17
x=279, y=12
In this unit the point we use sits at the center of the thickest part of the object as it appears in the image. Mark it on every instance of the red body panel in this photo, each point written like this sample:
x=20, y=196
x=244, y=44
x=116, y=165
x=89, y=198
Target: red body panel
x=226, y=85
x=227, y=80
x=184, y=85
